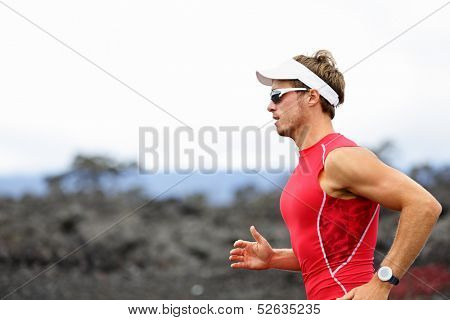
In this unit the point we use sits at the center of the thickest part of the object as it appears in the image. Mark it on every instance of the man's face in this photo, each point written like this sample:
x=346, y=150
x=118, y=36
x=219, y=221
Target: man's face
x=289, y=112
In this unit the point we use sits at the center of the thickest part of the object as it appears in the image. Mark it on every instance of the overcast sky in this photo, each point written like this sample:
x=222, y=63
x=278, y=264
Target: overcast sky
x=197, y=60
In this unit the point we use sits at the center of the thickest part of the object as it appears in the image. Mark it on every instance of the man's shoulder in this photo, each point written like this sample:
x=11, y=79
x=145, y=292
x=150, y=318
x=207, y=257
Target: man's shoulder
x=346, y=160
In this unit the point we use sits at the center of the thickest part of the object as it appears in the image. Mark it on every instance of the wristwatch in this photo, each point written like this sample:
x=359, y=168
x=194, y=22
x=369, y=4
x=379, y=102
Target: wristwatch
x=385, y=275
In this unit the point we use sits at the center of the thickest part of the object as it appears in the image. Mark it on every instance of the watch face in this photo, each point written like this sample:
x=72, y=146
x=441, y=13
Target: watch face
x=384, y=273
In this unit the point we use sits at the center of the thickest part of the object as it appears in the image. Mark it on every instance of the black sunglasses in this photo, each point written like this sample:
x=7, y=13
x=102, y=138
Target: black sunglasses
x=275, y=95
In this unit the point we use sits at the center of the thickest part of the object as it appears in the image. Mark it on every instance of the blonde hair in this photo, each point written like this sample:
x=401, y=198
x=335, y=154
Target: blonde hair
x=323, y=65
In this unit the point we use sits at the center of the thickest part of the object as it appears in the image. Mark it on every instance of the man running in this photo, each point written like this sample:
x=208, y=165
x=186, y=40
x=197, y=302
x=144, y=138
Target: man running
x=332, y=200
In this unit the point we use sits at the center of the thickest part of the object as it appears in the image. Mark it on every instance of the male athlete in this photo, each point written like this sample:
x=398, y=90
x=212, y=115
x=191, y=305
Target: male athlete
x=331, y=202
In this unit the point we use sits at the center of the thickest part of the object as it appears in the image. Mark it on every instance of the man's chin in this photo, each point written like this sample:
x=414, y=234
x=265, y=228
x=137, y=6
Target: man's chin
x=282, y=132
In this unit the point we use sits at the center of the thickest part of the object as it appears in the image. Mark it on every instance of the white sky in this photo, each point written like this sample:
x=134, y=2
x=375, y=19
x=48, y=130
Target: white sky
x=197, y=60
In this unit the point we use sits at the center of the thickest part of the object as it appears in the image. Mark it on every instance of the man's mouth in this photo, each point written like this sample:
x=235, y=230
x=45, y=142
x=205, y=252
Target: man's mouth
x=277, y=119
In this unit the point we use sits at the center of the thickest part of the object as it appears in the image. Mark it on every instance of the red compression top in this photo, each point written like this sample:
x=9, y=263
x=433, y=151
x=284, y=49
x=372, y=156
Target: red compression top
x=333, y=239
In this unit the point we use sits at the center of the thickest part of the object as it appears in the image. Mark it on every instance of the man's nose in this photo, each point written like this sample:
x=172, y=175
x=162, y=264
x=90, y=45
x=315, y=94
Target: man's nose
x=271, y=107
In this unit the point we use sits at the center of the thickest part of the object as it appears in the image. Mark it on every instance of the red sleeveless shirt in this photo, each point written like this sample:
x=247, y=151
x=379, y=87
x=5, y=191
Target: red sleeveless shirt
x=333, y=239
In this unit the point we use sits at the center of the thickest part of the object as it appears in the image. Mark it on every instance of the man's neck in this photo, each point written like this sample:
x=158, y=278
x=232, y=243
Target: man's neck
x=309, y=135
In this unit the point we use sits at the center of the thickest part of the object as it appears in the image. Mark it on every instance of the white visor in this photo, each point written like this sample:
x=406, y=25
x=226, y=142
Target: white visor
x=292, y=70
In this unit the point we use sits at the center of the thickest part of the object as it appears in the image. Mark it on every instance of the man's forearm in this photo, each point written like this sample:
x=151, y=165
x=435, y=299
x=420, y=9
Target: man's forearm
x=284, y=259
x=414, y=228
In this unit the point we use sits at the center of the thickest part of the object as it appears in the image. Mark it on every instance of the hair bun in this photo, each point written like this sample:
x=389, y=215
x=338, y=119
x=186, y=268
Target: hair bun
x=325, y=56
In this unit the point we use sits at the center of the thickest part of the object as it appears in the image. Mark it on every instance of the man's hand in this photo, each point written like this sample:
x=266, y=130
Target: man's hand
x=252, y=255
x=375, y=289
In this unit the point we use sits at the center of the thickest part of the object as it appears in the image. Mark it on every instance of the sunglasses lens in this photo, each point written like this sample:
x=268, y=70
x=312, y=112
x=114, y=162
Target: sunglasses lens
x=275, y=97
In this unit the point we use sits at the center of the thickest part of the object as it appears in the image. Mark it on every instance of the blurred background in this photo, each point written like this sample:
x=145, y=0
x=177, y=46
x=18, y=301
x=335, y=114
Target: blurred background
x=79, y=78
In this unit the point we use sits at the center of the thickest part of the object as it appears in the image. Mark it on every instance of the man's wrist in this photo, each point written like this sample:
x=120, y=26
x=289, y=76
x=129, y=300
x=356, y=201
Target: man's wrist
x=283, y=259
x=381, y=284
x=272, y=259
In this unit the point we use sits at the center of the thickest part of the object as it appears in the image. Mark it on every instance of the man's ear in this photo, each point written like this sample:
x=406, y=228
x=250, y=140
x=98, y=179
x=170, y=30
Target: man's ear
x=314, y=96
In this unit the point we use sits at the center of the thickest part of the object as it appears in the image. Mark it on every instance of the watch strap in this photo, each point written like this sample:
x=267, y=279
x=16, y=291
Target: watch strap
x=394, y=280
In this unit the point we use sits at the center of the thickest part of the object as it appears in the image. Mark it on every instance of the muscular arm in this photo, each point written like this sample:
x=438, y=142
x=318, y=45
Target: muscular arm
x=359, y=171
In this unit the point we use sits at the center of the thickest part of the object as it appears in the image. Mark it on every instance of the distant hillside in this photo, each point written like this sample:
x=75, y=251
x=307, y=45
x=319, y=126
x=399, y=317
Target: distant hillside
x=218, y=188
